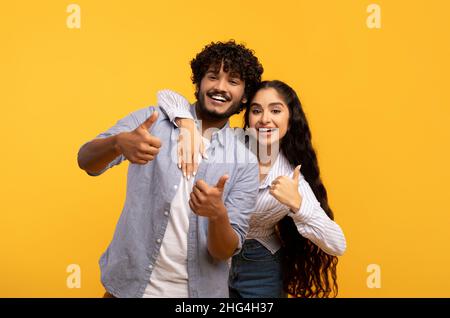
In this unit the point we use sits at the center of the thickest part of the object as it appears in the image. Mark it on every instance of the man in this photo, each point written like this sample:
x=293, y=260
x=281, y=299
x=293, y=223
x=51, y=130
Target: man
x=175, y=236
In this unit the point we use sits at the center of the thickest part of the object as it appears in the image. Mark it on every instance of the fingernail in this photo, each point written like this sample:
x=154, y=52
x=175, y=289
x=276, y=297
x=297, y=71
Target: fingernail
x=188, y=177
x=184, y=174
x=194, y=173
x=179, y=166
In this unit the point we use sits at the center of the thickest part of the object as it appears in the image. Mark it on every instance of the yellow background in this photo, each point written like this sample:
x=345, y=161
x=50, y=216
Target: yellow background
x=377, y=102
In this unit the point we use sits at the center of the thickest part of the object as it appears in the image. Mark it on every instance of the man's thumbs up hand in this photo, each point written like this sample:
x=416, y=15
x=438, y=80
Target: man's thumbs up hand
x=207, y=200
x=139, y=146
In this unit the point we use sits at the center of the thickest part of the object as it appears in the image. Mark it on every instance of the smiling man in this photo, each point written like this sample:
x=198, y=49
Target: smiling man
x=175, y=235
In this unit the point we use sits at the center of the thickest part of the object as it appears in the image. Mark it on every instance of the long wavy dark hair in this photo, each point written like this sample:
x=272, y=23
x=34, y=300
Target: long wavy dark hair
x=307, y=270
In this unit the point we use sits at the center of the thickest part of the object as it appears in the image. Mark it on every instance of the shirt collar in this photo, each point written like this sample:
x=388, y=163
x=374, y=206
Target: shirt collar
x=217, y=134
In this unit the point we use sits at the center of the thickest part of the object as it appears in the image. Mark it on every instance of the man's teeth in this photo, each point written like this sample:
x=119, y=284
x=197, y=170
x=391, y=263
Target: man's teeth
x=219, y=98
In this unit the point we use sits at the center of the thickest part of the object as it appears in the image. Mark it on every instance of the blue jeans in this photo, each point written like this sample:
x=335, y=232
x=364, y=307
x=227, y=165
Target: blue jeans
x=256, y=273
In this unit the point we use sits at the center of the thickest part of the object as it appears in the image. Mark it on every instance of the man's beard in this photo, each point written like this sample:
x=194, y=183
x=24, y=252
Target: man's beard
x=213, y=115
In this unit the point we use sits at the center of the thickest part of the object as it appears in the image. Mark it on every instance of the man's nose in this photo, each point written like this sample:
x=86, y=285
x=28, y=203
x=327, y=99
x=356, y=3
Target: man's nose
x=221, y=85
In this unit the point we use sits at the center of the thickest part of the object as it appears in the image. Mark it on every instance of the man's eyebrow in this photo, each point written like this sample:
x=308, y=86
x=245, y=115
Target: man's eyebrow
x=236, y=75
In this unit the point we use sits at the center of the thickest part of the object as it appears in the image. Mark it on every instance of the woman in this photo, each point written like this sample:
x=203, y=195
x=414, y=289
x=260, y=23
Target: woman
x=293, y=243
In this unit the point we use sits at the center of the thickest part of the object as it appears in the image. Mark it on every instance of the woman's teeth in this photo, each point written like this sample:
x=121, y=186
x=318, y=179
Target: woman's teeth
x=265, y=129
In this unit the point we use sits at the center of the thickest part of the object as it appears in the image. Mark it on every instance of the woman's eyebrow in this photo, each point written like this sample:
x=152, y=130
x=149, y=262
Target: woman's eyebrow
x=276, y=104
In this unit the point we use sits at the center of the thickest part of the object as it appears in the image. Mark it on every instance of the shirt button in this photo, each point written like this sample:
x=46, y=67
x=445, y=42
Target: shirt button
x=166, y=213
x=150, y=266
x=158, y=241
x=175, y=187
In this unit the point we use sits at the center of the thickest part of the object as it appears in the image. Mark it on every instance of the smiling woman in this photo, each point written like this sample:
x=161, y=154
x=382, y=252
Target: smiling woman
x=269, y=115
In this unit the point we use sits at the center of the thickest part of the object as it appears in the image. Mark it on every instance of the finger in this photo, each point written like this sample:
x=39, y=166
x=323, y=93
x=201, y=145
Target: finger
x=146, y=149
x=153, y=141
x=192, y=206
x=221, y=183
x=198, y=194
x=194, y=165
x=275, y=182
x=189, y=167
x=187, y=160
x=296, y=173
x=203, y=149
x=194, y=199
x=202, y=186
x=146, y=157
x=149, y=121
x=273, y=192
x=277, y=179
x=184, y=168
x=179, y=153
x=139, y=161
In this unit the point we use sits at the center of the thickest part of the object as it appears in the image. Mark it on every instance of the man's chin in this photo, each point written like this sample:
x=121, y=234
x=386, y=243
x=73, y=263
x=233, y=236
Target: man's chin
x=219, y=112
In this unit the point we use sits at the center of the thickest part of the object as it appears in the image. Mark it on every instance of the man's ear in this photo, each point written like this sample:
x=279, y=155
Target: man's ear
x=244, y=100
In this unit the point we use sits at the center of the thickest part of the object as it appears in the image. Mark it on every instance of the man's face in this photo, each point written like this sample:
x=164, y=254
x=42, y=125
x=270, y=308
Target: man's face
x=220, y=94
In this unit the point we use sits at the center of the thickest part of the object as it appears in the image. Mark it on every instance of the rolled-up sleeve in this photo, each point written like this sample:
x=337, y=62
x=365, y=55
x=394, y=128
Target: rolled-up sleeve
x=241, y=201
x=174, y=105
x=128, y=123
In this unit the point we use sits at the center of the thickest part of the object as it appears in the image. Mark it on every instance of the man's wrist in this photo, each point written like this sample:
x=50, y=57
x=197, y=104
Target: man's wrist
x=220, y=216
x=116, y=144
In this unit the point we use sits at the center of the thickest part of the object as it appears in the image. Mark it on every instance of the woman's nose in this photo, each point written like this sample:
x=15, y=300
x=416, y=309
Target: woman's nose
x=265, y=118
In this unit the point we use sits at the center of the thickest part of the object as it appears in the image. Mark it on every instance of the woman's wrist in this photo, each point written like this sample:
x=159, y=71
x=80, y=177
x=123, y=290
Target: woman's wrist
x=295, y=204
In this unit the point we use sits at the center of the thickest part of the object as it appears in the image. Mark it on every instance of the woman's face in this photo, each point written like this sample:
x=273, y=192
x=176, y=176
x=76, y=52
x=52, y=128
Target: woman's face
x=269, y=115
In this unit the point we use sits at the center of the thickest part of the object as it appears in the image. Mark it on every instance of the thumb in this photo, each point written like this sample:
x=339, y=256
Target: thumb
x=296, y=173
x=221, y=183
x=149, y=121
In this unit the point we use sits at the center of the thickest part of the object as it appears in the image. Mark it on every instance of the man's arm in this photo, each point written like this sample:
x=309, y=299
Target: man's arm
x=222, y=239
x=207, y=201
x=138, y=146
x=95, y=155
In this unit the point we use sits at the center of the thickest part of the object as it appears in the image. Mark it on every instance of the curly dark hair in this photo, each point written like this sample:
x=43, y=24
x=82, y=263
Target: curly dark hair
x=236, y=59
x=307, y=270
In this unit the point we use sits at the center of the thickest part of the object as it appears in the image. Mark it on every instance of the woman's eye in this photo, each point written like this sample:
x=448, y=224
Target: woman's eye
x=276, y=111
x=256, y=111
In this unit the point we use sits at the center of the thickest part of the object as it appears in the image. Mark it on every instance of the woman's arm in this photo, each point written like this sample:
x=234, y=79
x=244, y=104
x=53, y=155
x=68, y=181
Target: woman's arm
x=190, y=142
x=311, y=220
x=314, y=224
x=174, y=105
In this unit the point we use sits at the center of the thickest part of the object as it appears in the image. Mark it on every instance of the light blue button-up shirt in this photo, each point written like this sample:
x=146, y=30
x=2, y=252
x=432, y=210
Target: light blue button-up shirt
x=127, y=264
